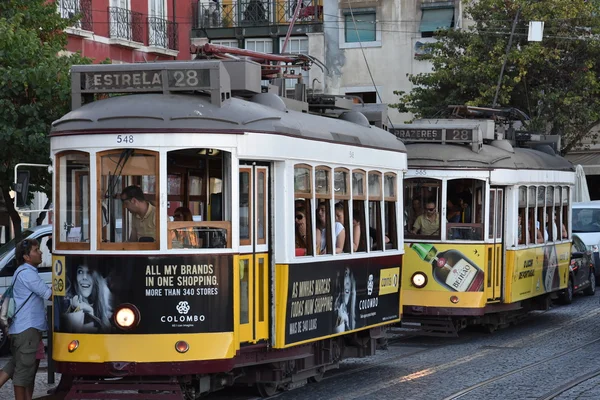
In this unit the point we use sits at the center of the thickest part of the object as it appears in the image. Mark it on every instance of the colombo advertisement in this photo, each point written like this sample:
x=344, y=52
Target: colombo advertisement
x=188, y=294
x=329, y=298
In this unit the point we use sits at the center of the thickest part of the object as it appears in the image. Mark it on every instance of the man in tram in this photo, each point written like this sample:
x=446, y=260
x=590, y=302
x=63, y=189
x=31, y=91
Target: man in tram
x=143, y=223
x=427, y=223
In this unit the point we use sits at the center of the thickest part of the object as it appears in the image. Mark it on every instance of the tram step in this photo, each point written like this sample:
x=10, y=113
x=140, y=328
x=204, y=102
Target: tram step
x=124, y=389
x=438, y=327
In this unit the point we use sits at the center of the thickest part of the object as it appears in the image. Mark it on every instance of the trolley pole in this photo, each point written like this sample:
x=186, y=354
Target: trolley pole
x=510, y=40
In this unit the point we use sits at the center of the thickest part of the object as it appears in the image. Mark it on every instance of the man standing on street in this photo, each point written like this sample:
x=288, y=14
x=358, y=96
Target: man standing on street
x=25, y=332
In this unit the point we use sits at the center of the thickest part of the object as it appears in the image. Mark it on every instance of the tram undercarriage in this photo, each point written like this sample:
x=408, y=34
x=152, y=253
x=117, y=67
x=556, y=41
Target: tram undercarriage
x=449, y=322
x=267, y=369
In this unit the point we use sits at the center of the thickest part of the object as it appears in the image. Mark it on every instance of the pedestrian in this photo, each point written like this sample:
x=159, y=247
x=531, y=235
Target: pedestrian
x=29, y=321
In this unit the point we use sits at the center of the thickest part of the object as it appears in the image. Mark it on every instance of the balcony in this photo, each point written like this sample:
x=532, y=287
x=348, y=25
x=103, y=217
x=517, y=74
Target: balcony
x=162, y=33
x=251, y=13
x=126, y=26
x=77, y=8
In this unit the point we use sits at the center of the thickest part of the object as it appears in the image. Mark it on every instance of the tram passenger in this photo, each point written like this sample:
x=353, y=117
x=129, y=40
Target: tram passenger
x=356, y=231
x=184, y=237
x=427, y=223
x=300, y=231
x=453, y=213
x=90, y=308
x=340, y=217
x=414, y=212
x=340, y=234
x=465, y=213
x=143, y=223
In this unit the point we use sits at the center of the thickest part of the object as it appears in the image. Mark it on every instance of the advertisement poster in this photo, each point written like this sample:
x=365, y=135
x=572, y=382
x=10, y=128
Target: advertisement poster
x=325, y=299
x=173, y=294
x=454, y=268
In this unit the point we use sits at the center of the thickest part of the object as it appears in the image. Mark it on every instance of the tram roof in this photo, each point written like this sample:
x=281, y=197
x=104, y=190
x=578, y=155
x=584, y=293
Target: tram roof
x=428, y=155
x=183, y=113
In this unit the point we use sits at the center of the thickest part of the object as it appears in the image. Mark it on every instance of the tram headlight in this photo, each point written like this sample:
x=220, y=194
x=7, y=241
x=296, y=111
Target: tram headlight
x=127, y=316
x=419, y=279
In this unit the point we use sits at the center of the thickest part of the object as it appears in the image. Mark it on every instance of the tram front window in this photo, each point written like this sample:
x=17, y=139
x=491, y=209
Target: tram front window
x=464, y=208
x=73, y=193
x=129, y=199
x=422, y=210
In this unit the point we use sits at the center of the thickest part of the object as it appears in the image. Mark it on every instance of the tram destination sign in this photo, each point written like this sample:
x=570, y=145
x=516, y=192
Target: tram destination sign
x=146, y=80
x=436, y=134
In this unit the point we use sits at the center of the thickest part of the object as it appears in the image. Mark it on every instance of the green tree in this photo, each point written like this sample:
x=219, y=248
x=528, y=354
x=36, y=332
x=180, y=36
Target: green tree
x=555, y=81
x=34, y=89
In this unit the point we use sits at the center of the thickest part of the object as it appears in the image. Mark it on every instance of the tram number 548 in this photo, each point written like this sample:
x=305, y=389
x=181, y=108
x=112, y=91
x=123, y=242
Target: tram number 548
x=124, y=138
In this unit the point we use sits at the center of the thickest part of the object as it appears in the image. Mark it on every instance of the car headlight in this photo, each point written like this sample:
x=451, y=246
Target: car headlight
x=419, y=279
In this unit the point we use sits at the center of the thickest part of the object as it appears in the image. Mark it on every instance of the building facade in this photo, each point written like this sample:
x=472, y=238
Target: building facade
x=368, y=46
x=129, y=30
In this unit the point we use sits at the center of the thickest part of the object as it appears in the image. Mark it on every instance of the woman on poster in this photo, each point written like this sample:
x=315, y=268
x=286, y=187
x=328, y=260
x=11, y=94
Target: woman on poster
x=345, y=303
x=89, y=310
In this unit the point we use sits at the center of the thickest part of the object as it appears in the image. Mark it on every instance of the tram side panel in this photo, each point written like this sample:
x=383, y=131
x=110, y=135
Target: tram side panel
x=464, y=271
x=186, y=298
x=319, y=300
x=533, y=271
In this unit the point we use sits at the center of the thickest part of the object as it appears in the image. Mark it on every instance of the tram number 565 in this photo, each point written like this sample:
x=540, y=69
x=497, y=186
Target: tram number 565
x=125, y=139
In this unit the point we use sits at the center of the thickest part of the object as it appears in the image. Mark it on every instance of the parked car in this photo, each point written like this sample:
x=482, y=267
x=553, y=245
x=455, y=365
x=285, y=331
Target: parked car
x=8, y=263
x=582, y=277
x=586, y=224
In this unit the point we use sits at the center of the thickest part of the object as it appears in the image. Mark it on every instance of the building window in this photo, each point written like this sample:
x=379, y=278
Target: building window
x=360, y=26
x=433, y=19
x=228, y=43
x=295, y=45
x=261, y=45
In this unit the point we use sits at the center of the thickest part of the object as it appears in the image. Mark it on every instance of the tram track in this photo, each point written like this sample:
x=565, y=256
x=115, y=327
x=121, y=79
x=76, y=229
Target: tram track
x=553, y=394
x=569, y=385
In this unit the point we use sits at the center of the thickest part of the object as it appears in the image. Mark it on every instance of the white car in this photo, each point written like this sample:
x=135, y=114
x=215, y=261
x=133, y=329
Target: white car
x=586, y=224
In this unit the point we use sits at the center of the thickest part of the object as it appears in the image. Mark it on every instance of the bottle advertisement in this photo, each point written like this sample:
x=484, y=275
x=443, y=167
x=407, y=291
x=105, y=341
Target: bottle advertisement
x=456, y=269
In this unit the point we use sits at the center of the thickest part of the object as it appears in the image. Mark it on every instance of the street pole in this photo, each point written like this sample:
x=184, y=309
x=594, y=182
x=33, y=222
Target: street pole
x=512, y=33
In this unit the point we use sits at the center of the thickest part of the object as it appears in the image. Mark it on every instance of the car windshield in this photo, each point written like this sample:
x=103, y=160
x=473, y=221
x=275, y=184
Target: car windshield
x=10, y=245
x=586, y=220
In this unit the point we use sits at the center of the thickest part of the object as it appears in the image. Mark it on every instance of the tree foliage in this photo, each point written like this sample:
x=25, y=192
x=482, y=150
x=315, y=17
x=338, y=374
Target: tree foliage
x=555, y=81
x=34, y=88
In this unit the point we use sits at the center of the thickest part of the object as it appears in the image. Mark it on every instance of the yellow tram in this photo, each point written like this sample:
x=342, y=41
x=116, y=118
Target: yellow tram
x=211, y=233
x=487, y=227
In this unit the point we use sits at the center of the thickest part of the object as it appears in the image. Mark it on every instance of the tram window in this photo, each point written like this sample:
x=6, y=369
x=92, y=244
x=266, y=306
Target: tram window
x=129, y=197
x=565, y=210
x=541, y=215
x=303, y=210
x=521, y=217
x=390, y=220
x=303, y=227
x=359, y=236
x=428, y=192
x=375, y=223
x=261, y=206
x=359, y=221
x=197, y=180
x=73, y=192
x=245, y=206
x=551, y=222
x=341, y=210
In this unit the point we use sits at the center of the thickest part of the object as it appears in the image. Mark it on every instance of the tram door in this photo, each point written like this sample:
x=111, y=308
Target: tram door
x=495, y=250
x=254, y=258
